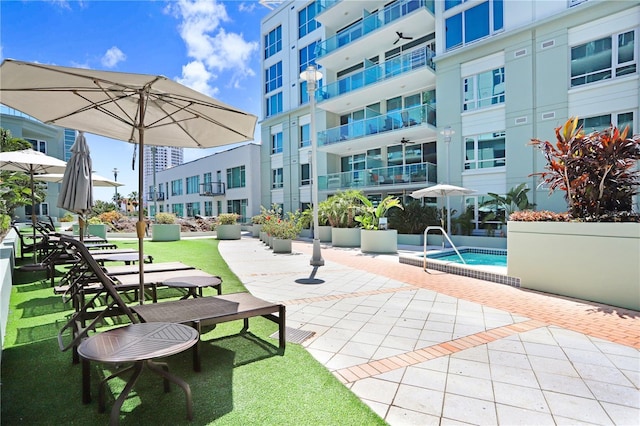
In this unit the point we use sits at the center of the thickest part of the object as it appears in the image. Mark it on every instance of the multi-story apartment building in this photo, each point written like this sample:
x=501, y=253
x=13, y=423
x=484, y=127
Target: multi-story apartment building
x=224, y=182
x=48, y=139
x=158, y=158
x=504, y=73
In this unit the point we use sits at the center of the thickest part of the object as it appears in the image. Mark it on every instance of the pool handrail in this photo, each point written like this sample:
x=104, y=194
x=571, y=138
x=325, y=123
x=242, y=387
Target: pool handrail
x=441, y=229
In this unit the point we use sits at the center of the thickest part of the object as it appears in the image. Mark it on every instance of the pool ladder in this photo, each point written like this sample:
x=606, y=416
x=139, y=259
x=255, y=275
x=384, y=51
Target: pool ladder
x=444, y=233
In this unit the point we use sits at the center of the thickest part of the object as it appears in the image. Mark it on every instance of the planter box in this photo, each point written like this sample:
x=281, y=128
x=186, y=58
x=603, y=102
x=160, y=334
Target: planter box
x=95, y=230
x=589, y=261
x=379, y=241
x=411, y=239
x=165, y=232
x=228, y=232
x=345, y=237
x=324, y=234
x=255, y=230
x=281, y=246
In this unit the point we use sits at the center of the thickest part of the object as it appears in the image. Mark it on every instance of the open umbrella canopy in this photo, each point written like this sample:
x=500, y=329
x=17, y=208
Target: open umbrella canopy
x=31, y=162
x=96, y=179
x=441, y=190
x=138, y=108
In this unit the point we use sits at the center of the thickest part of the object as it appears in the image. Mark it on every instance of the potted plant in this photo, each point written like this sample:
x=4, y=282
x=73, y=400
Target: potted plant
x=375, y=236
x=340, y=211
x=256, y=227
x=284, y=231
x=587, y=253
x=227, y=227
x=165, y=228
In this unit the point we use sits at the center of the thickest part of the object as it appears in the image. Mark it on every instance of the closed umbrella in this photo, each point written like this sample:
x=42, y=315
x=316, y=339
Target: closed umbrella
x=442, y=190
x=76, y=192
x=138, y=108
x=31, y=162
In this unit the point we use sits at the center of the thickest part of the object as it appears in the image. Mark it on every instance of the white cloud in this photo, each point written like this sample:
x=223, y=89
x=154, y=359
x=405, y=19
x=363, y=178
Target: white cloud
x=248, y=7
x=112, y=57
x=196, y=76
x=209, y=43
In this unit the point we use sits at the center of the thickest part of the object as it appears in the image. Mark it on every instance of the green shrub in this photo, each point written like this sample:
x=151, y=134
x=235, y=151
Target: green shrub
x=165, y=218
x=67, y=218
x=228, y=218
x=94, y=221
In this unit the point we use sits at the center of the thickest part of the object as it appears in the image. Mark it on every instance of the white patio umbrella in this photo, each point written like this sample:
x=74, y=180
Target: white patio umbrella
x=138, y=108
x=95, y=178
x=31, y=162
x=442, y=190
x=76, y=192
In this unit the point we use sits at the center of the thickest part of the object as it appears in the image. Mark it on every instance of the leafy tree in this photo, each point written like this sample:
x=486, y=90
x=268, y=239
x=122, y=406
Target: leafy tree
x=414, y=218
x=514, y=200
x=370, y=216
x=341, y=208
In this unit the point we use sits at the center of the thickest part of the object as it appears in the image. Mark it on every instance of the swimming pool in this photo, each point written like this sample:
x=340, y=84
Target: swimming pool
x=473, y=257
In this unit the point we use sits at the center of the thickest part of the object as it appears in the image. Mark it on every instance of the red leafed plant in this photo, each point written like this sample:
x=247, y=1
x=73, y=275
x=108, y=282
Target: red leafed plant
x=598, y=171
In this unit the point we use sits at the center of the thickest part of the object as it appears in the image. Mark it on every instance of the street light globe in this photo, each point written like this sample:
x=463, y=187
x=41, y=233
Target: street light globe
x=311, y=75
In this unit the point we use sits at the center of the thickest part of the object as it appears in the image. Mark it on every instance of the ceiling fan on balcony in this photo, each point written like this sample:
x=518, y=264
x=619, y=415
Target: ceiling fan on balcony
x=401, y=37
x=405, y=141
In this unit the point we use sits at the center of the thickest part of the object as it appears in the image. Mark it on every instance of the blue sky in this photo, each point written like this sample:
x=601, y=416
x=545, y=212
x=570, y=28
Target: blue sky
x=211, y=46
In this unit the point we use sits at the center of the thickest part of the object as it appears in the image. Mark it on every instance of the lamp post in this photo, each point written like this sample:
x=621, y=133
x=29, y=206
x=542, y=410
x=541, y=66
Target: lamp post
x=447, y=133
x=311, y=75
x=115, y=188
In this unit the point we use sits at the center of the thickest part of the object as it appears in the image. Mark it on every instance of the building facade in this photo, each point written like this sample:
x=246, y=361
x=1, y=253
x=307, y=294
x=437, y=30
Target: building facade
x=224, y=182
x=504, y=73
x=158, y=158
x=50, y=140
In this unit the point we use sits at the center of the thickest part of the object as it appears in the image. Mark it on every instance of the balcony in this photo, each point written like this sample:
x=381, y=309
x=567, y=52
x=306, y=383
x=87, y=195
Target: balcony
x=411, y=17
x=211, y=189
x=159, y=196
x=336, y=14
x=406, y=73
x=389, y=178
x=415, y=122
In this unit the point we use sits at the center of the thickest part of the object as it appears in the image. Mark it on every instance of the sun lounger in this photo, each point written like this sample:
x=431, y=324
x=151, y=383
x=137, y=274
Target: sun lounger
x=151, y=267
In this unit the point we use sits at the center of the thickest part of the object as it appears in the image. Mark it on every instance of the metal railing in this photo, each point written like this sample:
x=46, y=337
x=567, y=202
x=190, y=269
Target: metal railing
x=422, y=173
x=394, y=120
x=371, y=23
x=410, y=61
x=211, y=189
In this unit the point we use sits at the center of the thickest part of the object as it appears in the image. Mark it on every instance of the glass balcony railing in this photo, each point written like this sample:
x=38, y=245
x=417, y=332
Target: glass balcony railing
x=159, y=196
x=389, y=122
x=371, y=23
x=210, y=189
x=421, y=173
x=411, y=61
x=327, y=4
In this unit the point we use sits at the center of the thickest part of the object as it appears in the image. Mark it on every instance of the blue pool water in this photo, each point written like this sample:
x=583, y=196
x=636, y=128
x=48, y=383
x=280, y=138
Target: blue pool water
x=472, y=258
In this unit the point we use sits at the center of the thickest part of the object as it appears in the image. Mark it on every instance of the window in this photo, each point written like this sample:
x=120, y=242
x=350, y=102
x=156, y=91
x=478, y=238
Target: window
x=485, y=151
x=193, y=209
x=608, y=57
x=238, y=207
x=219, y=207
x=483, y=90
x=176, y=187
x=601, y=122
x=208, y=208
x=236, y=177
x=306, y=19
x=276, y=143
x=306, y=57
x=305, y=135
x=305, y=175
x=273, y=42
x=474, y=23
x=38, y=145
x=177, y=209
x=274, y=104
x=207, y=178
x=273, y=77
x=42, y=209
x=193, y=185
x=277, y=178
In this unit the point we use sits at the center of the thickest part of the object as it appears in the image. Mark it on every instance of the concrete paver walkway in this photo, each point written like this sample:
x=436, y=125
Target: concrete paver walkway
x=435, y=348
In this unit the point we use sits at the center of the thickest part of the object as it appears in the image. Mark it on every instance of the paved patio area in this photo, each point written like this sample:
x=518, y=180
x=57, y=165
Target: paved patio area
x=435, y=348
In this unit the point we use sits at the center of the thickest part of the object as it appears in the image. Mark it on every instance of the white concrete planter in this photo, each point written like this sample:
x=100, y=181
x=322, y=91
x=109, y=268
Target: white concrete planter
x=98, y=230
x=165, y=232
x=255, y=230
x=281, y=246
x=375, y=241
x=590, y=261
x=411, y=239
x=324, y=234
x=228, y=232
x=345, y=237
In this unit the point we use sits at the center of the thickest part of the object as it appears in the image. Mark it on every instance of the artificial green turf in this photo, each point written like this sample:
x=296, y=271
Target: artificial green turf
x=243, y=380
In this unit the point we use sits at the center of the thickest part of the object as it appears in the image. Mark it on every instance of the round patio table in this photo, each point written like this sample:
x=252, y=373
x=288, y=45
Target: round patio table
x=137, y=344
x=194, y=284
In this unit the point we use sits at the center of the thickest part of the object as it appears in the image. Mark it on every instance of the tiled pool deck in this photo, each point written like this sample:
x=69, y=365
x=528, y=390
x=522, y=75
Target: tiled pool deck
x=438, y=348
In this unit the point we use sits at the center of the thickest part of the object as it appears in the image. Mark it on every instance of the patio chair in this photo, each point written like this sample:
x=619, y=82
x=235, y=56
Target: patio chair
x=205, y=311
x=39, y=245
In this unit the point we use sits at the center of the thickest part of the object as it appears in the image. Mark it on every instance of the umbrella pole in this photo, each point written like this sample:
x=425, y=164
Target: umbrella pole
x=33, y=216
x=140, y=225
